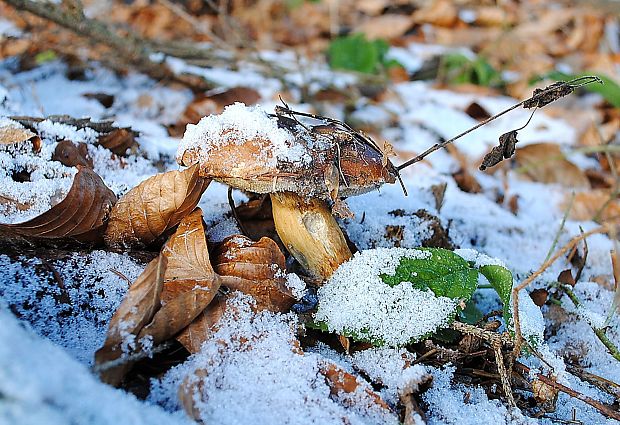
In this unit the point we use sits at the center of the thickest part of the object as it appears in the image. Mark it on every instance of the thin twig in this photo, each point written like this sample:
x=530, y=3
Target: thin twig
x=231, y=203
x=538, y=97
x=604, y=409
x=515, y=291
x=496, y=341
x=569, y=207
x=604, y=384
x=129, y=48
x=599, y=332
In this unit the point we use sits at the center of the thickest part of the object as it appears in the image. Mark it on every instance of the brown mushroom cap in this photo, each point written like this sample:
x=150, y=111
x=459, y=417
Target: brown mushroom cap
x=250, y=150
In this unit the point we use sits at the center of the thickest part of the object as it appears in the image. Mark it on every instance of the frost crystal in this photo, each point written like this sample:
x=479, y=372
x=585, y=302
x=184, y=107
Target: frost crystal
x=296, y=285
x=356, y=301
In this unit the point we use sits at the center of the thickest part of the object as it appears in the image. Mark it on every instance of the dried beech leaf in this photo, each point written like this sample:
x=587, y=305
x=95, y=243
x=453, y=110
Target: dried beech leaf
x=594, y=204
x=545, y=163
x=505, y=150
x=387, y=26
x=188, y=254
x=340, y=380
x=81, y=216
x=543, y=97
x=119, y=141
x=157, y=204
x=202, y=106
x=71, y=154
x=190, y=283
x=136, y=310
x=544, y=393
x=203, y=326
x=10, y=135
x=442, y=13
x=254, y=268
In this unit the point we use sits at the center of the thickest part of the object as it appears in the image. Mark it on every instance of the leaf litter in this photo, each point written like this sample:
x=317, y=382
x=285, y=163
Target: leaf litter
x=480, y=221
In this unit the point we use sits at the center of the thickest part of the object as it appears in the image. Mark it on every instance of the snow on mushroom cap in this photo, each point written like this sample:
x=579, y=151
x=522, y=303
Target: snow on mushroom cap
x=355, y=300
x=237, y=124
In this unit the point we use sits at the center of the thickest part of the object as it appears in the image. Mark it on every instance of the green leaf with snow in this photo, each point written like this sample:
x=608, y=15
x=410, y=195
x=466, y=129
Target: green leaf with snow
x=443, y=272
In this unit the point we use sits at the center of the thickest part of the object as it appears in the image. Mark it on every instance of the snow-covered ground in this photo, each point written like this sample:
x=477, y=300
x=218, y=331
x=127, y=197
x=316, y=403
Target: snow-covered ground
x=50, y=331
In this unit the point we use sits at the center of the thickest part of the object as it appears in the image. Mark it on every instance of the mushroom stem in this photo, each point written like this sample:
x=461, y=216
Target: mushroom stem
x=310, y=233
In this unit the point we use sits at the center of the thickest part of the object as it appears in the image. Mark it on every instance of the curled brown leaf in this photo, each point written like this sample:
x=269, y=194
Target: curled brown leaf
x=136, y=310
x=545, y=163
x=190, y=283
x=81, y=216
x=256, y=269
x=10, y=135
x=203, y=326
x=157, y=204
x=71, y=154
x=156, y=310
x=119, y=141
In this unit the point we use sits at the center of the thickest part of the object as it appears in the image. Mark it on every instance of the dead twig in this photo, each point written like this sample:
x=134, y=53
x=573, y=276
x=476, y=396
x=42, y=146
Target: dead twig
x=604, y=384
x=497, y=342
x=604, y=409
x=128, y=48
x=233, y=209
x=515, y=291
x=540, y=98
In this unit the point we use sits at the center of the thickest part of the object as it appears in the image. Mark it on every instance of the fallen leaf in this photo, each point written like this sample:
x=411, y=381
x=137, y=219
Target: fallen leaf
x=594, y=204
x=477, y=111
x=340, y=380
x=439, y=190
x=157, y=204
x=545, y=163
x=442, y=13
x=136, y=310
x=71, y=154
x=202, y=106
x=106, y=100
x=120, y=141
x=372, y=7
x=254, y=268
x=566, y=277
x=544, y=393
x=387, y=26
x=204, y=325
x=539, y=296
x=466, y=181
x=493, y=16
x=10, y=135
x=188, y=257
x=190, y=283
x=81, y=216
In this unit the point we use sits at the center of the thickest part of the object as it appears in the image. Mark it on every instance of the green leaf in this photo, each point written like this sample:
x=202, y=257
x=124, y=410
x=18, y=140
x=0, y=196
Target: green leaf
x=459, y=69
x=353, y=53
x=500, y=279
x=443, y=272
x=45, y=56
x=470, y=314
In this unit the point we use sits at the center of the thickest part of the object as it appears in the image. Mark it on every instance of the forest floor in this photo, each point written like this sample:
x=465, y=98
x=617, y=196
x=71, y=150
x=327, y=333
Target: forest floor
x=56, y=302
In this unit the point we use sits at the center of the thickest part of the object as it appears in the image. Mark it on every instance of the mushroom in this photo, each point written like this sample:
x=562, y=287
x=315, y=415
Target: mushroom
x=305, y=169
